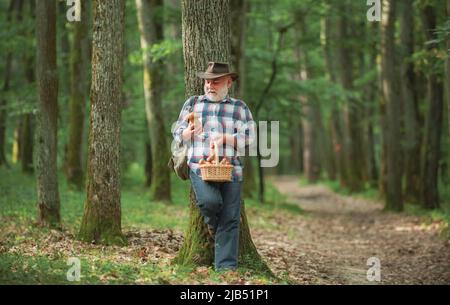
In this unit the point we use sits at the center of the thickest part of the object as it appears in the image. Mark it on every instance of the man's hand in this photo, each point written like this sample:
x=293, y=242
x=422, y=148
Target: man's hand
x=222, y=139
x=191, y=130
x=216, y=139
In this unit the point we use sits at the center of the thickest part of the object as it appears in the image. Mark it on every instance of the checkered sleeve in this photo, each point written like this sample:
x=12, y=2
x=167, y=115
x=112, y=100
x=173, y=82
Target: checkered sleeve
x=181, y=123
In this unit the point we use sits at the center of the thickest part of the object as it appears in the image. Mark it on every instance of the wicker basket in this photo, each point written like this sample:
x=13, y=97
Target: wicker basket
x=216, y=172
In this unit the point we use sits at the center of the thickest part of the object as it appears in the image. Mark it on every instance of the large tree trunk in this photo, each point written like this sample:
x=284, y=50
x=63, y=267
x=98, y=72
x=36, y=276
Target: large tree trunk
x=411, y=118
x=101, y=221
x=205, y=41
x=79, y=61
x=394, y=199
x=151, y=28
x=47, y=86
x=433, y=127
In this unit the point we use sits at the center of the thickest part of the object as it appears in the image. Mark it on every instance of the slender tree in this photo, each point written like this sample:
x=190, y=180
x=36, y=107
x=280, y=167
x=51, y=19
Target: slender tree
x=205, y=41
x=433, y=128
x=26, y=134
x=352, y=112
x=394, y=200
x=5, y=89
x=372, y=102
x=239, y=8
x=151, y=28
x=447, y=69
x=336, y=120
x=311, y=159
x=101, y=221
x=79, y=61
x=47, y=86
x=411, y=117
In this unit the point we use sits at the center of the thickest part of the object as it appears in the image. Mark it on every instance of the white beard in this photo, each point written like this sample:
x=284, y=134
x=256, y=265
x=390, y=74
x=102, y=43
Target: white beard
x=218, y=96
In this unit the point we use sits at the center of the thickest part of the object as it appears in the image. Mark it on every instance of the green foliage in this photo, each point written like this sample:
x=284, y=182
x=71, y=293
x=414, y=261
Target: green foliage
x=157, y=51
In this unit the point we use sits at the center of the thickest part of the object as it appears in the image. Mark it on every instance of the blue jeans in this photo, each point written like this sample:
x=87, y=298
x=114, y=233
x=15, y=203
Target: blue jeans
x=220, y=205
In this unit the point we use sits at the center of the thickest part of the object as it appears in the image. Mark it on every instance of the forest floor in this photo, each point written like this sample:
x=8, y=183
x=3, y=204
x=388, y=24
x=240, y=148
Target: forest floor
x=306, y=233
x=332, y=242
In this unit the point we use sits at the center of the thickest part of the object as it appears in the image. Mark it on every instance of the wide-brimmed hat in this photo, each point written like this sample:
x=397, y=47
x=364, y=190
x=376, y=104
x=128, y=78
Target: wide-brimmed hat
x=216, y=70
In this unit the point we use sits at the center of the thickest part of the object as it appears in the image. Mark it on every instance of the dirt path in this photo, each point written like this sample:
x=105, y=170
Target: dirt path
x=333, y=241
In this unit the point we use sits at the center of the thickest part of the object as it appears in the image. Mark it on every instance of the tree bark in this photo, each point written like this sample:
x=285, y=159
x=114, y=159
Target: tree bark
x=79, y=61
x=64, y=50
x=412, y=127
x=47, y=86
x=394, y=200
x=151, y=29
x=101, y=221
x=205, y=41
x=430, y=191
x=148, y=163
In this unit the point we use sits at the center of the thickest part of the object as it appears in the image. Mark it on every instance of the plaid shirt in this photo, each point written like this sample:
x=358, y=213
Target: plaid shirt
x=229, y=116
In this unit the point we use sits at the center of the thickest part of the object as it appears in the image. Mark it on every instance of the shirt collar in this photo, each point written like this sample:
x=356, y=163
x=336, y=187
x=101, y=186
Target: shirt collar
x=226, y=99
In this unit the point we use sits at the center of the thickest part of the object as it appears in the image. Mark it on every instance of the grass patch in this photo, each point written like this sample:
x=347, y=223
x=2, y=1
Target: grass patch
x=274, y=200
x=432, y=216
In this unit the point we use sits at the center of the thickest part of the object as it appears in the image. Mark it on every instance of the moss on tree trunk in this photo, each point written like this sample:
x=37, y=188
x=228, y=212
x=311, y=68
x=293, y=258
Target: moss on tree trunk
x=102, y=212
x=198, y=248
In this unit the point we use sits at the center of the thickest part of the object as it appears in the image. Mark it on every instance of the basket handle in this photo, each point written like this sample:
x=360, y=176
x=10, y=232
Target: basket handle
x=216, y=152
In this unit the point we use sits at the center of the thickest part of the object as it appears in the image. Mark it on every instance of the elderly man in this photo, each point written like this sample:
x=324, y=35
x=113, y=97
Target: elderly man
x=225, y=122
